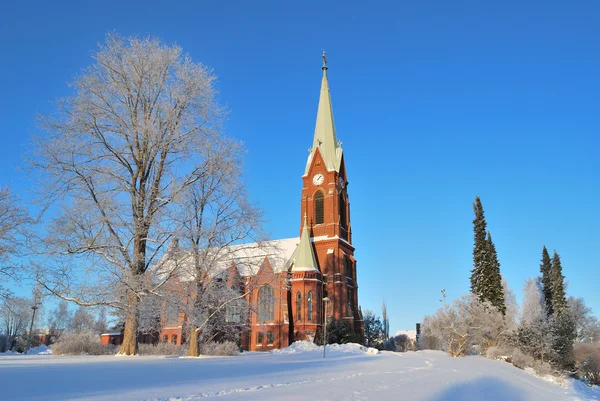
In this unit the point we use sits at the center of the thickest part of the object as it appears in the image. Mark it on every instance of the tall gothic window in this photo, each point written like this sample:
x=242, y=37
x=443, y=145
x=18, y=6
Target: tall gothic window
x=310, y=306
x=266, y=301
x=319, y=208
x=298, y=306
x=347, y=266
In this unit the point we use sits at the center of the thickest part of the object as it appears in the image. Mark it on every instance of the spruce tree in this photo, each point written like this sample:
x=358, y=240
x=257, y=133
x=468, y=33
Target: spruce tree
x=559, y=297
x=547, y=281
x=480, y=250
x=496, y=290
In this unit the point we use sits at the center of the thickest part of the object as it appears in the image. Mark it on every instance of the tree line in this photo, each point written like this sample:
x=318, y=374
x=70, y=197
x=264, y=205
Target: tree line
x=545, y=333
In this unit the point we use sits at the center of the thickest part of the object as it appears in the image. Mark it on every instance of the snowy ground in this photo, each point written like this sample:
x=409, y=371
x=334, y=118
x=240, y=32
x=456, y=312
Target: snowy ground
x=296, y=374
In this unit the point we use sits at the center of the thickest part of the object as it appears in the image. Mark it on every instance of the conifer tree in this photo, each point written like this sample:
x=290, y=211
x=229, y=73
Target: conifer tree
x=480, y=249
x=496, y=290
x=559, y=298
x=547, y=282
x=486, y=281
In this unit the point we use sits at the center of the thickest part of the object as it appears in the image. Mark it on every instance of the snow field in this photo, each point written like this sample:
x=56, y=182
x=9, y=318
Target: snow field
x=297, y=373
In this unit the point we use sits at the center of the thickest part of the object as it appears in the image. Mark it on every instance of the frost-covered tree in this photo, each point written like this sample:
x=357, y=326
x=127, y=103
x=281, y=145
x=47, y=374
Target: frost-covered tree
x=534, y=334
x=467, y=325
x=486, y=280
x=495, y=295
x=15, y=317
x=547, y=283
x=479, y=284
x=559, y=297
x=214, y=214
x=59, y=319
x=82, y=321
x=587, y=326
x=101, y=323
x=14, y=220
x=114, y=162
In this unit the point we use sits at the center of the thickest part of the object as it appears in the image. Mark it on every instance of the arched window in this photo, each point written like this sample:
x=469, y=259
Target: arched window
x=310, y=306
x=266, y=302
x=319, y=208
x=298, y=306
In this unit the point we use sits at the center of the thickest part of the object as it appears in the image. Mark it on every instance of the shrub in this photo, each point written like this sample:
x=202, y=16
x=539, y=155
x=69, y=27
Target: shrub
x=390, y=344
x=510, y=355
x=587, y=358
x=521, y=360
x=162, y=348
x=82, y=344
x=226, y=348
x=340, y=332
x=499, y=353
x=545, y=369
x=402, y=343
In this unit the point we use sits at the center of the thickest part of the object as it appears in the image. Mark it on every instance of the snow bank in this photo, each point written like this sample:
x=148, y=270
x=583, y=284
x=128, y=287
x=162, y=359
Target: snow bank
x=41, y=350
x=307, y=346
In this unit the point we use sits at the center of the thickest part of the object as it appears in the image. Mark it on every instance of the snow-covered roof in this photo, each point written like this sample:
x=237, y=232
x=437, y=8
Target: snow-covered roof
x=247, y=258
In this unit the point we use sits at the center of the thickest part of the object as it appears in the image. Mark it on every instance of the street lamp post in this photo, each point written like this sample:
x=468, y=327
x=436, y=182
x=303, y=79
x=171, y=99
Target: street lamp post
x=34, y=308
x=325, y=301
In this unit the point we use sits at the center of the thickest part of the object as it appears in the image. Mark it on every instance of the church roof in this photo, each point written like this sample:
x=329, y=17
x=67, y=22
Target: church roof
x=325, y=138
x=248, y=258
x=305, y=257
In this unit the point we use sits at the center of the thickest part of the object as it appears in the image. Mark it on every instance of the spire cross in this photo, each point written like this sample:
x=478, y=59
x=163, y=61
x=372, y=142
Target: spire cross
x=324, y=56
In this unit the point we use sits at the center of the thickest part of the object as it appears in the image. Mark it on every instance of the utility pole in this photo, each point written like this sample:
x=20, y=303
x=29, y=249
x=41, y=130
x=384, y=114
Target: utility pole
x=33, y=308
x=325, y=301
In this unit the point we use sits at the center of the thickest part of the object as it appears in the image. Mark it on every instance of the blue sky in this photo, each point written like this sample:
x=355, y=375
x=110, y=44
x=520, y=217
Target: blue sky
x=434, y=102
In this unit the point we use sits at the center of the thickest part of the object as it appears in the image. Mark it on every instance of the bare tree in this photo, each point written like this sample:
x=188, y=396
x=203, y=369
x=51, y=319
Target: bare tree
x=15, y=316
x=467, y=325
x=587, y=327
x=59, y=319
x=82, y=321
x=215, y=214
x=114, y=162
x=14, y=219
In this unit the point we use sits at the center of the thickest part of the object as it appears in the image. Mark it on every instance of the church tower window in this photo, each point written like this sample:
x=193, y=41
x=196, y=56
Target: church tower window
x=298, y=306
x=310, y=306
x=319, y=208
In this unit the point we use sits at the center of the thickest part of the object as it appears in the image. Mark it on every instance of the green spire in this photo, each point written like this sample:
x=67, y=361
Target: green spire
x=305, y=257
x=325, y=138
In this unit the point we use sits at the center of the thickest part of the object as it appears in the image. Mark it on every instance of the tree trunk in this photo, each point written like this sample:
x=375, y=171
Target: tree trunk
x=130, y=345
x=194, y=349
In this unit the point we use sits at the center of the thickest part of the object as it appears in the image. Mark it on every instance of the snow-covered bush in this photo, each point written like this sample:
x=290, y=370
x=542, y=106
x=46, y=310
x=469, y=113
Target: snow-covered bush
x=545, y=369
x=226, y=348
x=162, y=348
x=587, y=358
x=81, y=344
x=467, y=326
x=403, y=343
x=511, y=355
x=521, y=360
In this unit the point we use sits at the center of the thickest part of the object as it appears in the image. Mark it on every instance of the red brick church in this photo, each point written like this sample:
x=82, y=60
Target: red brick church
x=319, y=265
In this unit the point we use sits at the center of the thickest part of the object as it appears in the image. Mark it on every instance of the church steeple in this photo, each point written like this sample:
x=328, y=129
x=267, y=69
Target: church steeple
x=325, y=139
x=305, y=256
